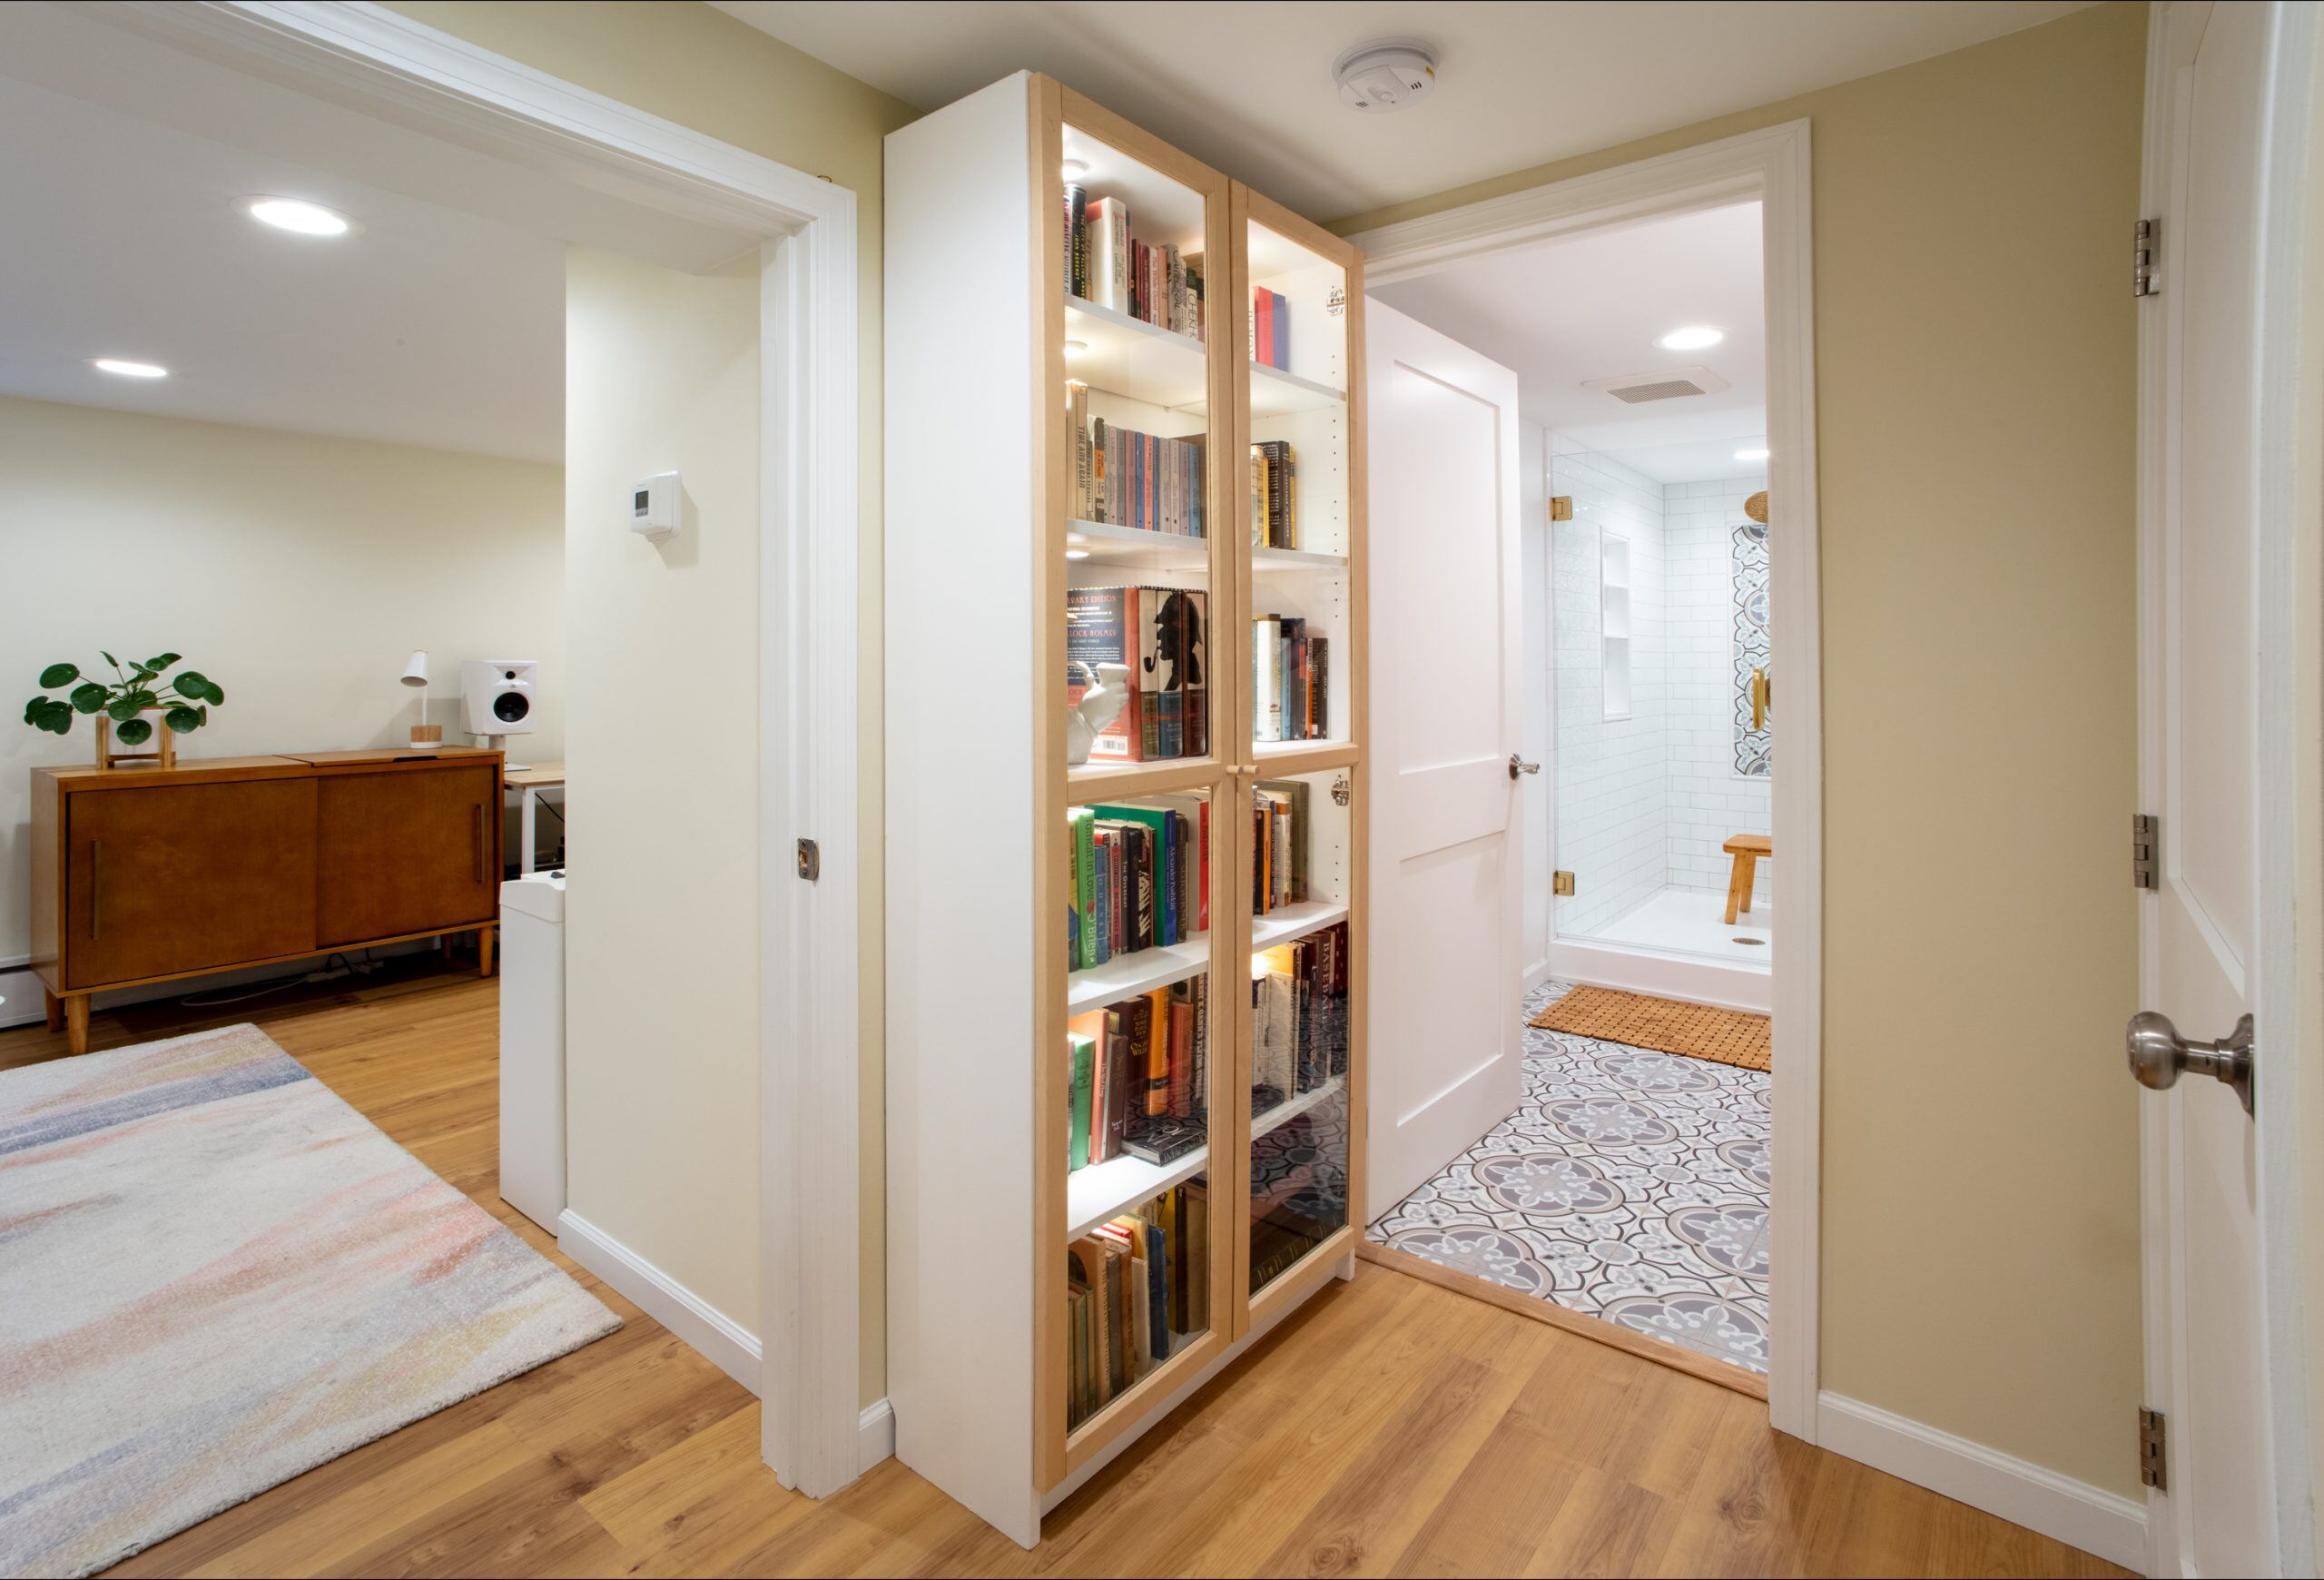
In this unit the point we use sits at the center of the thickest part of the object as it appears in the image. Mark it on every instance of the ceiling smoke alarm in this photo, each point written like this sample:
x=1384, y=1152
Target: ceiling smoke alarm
x=1385, y=73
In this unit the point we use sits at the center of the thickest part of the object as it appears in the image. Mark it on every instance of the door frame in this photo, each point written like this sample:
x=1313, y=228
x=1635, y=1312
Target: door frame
x=364, y=56
x=1771, y=166
x=2291, y=693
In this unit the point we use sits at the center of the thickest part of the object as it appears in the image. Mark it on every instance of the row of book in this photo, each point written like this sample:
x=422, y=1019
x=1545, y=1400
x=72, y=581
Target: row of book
x=1278, y=845
x=1134, y=1288
x=1137, y=877
x=1290, y=680
x=1106, y=264
x=1299, y=1017
x=1138, y=1078
x=1270, y=329
x=1129, y=479
x=1275, y=495
x=1161, y=635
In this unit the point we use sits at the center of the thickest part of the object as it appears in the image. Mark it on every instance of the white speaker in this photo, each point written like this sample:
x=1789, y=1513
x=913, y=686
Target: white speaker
x=497, y=696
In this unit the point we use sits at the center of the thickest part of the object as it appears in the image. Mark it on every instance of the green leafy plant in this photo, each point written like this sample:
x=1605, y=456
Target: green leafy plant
x=184, y=700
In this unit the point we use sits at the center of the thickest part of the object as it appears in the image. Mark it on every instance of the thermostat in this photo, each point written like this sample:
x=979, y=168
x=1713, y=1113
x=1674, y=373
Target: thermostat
x=654, y=506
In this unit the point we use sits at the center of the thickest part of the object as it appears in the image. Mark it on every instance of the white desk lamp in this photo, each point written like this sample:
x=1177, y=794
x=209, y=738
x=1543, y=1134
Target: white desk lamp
x=425, y=736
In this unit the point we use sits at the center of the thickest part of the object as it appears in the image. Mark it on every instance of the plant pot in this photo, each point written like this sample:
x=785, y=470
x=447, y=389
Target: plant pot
x=164, y=755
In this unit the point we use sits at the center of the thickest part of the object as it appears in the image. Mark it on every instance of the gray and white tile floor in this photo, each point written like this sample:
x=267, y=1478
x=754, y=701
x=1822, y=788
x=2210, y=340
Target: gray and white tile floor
x=1629, y=1185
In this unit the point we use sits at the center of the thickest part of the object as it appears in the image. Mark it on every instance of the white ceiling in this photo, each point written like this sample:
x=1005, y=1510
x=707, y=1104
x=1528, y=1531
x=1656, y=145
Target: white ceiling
x=1573, y=312
x=440, y=323
x=1247, y=88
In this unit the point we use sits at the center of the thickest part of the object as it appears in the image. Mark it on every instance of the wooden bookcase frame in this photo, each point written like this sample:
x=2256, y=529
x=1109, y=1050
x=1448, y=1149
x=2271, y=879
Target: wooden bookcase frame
x=931, y=1384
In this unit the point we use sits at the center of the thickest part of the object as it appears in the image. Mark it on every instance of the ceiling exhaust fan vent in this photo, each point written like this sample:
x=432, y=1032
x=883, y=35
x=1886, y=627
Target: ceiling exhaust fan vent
x=1664, y=384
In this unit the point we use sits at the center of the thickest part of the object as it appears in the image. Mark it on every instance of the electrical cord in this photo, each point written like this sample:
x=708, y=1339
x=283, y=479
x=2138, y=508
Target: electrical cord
x=348, y=968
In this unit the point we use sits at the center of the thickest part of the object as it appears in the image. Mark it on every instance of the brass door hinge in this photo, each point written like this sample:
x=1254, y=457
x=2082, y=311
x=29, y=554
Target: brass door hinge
x=2153, y=1437
x=1561, y=883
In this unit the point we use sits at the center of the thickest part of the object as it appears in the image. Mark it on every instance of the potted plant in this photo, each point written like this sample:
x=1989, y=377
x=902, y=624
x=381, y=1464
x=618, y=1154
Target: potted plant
x=183, y=703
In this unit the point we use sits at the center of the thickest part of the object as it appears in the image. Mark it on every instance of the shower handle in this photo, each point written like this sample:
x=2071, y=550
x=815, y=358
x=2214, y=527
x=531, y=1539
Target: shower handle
x=1763, y=697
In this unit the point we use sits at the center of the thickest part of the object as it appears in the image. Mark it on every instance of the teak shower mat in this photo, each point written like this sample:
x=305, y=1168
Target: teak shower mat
x=1721, y=1036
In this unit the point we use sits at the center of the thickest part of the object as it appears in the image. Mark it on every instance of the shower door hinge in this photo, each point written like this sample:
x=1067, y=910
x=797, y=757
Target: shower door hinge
x=2145, y=850
x=2142, y=280
x=1561, y=507
x=2153, y=1439
x=1561, y=883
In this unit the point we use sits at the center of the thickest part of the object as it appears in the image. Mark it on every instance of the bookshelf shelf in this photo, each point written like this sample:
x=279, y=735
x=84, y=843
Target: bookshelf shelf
x=1131, y=357
x=1103, y=1191
x=1128, y=975
x=1001, y=1296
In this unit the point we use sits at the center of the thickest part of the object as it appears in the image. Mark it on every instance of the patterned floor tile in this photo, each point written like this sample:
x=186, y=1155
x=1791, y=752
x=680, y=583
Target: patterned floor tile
x=1629, y=1185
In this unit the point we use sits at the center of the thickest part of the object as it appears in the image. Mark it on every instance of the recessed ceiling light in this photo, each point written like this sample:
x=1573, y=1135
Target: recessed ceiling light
x=1075, y=168
x=1693, y=338
x=296, y=215
x=1756, y=453
x=128, y=369
x=1074, y=349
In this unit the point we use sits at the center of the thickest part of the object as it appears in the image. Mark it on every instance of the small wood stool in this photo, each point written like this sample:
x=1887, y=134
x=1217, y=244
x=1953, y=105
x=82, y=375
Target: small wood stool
x=1747, y=849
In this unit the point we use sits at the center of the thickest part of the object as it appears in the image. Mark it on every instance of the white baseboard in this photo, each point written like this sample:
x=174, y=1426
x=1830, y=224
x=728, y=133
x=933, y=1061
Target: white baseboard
x=876, y=1435
x=729, y=1346
x=2072, y=1512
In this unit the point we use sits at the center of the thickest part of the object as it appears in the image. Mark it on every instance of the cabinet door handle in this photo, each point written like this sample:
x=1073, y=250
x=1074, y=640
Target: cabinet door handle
x=479, y=844
x=97, y=889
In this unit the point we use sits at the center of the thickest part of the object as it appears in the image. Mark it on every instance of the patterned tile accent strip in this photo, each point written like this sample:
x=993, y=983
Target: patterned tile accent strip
x=1667, y=1025
x=1629, y=1185
x=214, y=1275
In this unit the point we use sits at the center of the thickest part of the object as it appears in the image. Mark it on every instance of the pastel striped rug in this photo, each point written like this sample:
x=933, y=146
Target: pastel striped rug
x=214, y=1275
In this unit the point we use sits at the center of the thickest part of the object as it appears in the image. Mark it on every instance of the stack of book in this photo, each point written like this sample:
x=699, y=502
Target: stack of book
x=1299, y=1017
x=1137, y=877
x=1270, y=329
x=1161, y=632
x=1128, y=478
x=1135, y=1288
x=1138, y=1078
x=1278, y=845
x=1275, y=495
x=1290, y=680
x=1104, y=263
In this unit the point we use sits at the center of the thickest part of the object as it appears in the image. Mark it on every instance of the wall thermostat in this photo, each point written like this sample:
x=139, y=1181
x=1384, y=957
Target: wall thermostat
x=654, y=506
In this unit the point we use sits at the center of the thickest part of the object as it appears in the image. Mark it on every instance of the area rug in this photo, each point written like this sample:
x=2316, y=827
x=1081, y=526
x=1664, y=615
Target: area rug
x=1635, y=1020
x=214, y=1275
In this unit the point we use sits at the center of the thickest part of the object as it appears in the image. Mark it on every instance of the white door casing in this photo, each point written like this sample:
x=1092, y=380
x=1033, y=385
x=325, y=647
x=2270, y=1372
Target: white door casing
x=1446, y=830
x=2227, y=110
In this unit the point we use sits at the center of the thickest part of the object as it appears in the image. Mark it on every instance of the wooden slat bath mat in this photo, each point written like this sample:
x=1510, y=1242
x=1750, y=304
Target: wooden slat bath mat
x=1721, y=1036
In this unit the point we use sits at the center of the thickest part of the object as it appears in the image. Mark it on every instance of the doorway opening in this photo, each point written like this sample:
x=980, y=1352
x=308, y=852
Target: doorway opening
x=1633, y=1185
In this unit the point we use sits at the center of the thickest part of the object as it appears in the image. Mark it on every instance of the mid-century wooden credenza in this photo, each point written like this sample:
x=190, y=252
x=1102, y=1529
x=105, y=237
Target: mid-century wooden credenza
x=144, y=874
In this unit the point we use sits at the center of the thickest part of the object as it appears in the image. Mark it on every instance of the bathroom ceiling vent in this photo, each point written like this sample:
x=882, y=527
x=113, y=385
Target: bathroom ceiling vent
x=1663, y=384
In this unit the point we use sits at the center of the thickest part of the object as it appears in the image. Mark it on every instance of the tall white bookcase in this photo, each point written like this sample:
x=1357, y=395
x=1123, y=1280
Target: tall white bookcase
x=985, y=536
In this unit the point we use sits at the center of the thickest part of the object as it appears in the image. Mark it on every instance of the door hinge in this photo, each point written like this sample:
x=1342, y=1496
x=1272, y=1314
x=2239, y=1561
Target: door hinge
x=2145, y=850
x=1561, y=883
x=1561, y=507
x=2142, y=280
x=811, y=861
x=2152, y=1440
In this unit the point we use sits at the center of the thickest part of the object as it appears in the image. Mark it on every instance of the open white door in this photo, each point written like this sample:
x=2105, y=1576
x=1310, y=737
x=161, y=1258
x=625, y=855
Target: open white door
x=1445, y=864
x=2227, y=83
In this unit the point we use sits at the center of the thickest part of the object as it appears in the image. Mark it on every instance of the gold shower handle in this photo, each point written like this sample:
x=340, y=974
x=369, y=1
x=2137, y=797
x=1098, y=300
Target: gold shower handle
x=1762, y=697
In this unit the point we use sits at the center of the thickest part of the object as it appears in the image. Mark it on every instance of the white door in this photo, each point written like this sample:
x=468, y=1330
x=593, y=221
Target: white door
x=1446, y=877
x=2205, y=638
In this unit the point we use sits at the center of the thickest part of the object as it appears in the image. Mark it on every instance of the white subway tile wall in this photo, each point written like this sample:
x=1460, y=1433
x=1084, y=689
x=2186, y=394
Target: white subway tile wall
x=1645, y=801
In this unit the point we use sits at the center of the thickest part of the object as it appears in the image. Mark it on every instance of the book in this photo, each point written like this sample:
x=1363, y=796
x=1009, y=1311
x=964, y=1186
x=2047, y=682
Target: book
x=1266, y=678
x=1279, y=327
x=1083, y=823
x=1293, y=794
x=1157, y=1053
x=1162, y=1139
x=1262, y=326
x=1076, y=223
x=1107, y=223
x=1319, y=709
x=1083, y=1074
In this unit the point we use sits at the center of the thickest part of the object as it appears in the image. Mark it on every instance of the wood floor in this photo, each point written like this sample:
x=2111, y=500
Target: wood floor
x=1394, y=1427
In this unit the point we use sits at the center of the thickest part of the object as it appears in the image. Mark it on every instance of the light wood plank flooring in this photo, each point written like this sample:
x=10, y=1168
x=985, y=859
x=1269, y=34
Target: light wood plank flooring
x=1394, y=1427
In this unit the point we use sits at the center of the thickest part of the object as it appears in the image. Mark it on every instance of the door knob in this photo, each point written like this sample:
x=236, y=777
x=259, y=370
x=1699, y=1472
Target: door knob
x=2158, y=1054
x=1518, y=765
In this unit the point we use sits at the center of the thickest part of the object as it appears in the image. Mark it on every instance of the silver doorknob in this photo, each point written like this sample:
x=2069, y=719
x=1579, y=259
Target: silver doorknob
x=1518, y=765
x=2158, y=1054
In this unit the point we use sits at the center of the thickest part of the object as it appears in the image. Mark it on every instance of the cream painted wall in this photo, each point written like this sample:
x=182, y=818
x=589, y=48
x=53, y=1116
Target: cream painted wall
x=297, y=571
x=661, y=933
x=703, y=69
x=1976, y=379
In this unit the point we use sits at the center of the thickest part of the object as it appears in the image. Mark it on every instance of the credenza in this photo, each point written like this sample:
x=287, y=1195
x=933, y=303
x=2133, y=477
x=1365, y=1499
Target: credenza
x=146, y=875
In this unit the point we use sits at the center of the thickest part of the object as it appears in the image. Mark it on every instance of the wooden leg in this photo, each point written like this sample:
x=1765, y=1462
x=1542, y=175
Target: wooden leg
x=56, y=1007
x=1749, y=867
x=76, y=1022
x=484, y=951
x=1733, y=888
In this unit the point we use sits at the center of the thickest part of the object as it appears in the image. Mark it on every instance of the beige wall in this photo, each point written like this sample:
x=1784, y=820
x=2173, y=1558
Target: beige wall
x=703, y=69
x=299, y=572
x=1976, y=367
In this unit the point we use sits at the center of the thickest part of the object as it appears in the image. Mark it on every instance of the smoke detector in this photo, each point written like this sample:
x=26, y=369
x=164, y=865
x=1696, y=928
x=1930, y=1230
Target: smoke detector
x=1383, y=75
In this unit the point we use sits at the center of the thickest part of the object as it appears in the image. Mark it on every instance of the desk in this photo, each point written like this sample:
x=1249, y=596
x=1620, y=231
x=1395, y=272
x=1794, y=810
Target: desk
x=528, y=782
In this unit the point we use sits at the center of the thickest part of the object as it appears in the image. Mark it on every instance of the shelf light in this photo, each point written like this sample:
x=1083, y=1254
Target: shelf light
x=1075, y=350
x=1755, y=453
x=1258, y=968
x=1076, y=168
x=1076, y=554
x=127, y=369
x=296, y=215
x=1693, y=338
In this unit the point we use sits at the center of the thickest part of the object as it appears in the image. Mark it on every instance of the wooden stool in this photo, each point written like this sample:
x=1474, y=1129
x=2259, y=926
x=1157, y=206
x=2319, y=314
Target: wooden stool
x=1747, y=849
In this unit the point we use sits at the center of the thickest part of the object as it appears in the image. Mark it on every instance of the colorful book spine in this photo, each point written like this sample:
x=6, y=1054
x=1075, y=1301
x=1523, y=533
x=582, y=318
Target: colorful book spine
x=1110, y=259
x=1085, y=875
x=1084, y=1077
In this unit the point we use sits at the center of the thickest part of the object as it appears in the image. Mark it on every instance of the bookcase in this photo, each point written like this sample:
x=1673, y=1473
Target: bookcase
x=1125, y=998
